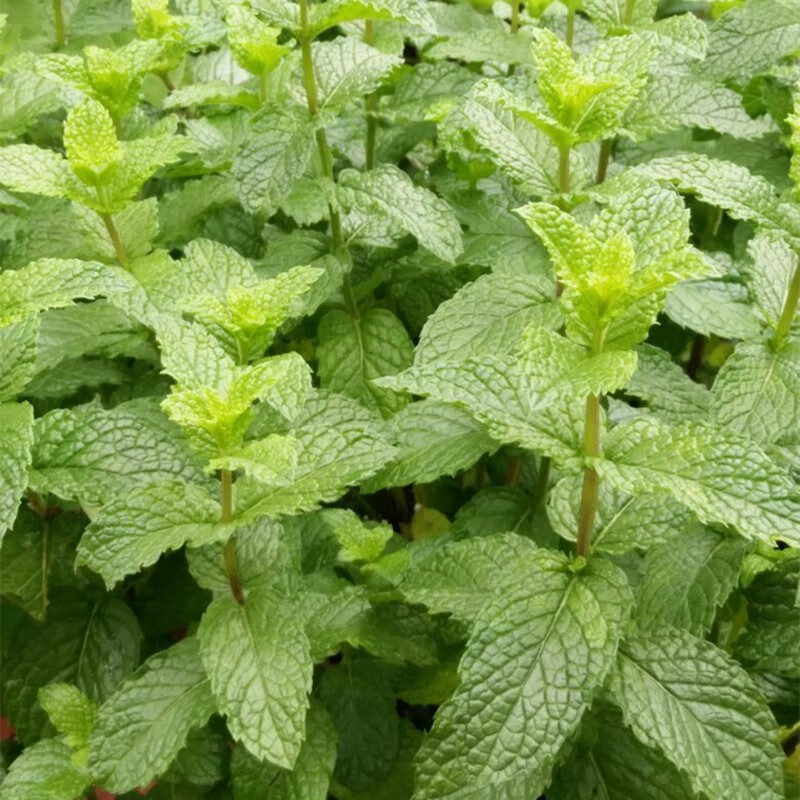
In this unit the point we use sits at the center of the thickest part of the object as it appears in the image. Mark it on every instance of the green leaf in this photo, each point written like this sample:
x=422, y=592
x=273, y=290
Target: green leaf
x=338, y=11
x=91, y=143
x=487, y=317
x=96, y=455
x=31, y=169
x=271, y=460
x=494, y=46
x=17, y=356
x=684, y=697
x=757, y=392
x=258, y=661
x=44, y=771
x=623, y=522
x=686, y=579
x=718, y=475
x=774, y=263
x=260, y=780
x=16, y=440
x=71, y=711
x=53, y=283
x=346, y=69
x=353, y=351
x=254, y=45
x=534, y=660
x=91, y=645
x=273, y=159
x=461, y=577
x=142, y=727
x=358, y=541
x=617, y=767
x=134, y=530
x=771, y=638
x=749, y=39
x=341, y=444
x=433, y=439
x=360, y=700
x=388, y=192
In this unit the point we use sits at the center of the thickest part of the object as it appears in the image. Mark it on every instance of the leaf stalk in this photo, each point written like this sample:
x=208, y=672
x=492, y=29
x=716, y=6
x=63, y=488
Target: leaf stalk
x=116, y=239
x=229, y=549
x=789, y=307
x=58, y=20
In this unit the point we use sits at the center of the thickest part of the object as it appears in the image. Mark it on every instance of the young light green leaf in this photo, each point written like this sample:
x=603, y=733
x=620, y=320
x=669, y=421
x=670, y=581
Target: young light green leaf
x=774, y=263
x=718, y=475
x=134, y=530
x=16, y=440
x=91, y=143
x=254, y=44
x=353, y=351
x=389, y=192
x=338, y=11
x=535, y=659
x=141, y=728
x=258, y=662
x=31, y=169
x=271, y=461
x=359, y=541
x=70, y=710
x=677, y=693
x=699, y=569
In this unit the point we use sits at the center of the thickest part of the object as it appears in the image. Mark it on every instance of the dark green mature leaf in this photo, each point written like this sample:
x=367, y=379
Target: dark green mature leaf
x=144, y=724
x=771, y=638
x=258, y=662
x=93, y=645
x=260, y=780
x=535, y=658
x=686, y=698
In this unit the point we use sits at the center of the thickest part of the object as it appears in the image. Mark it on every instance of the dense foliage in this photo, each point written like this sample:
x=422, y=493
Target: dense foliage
x=400, y=399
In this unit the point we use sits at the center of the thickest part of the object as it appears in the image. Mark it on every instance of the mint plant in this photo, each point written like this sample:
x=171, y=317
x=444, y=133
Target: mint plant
x=399, y=399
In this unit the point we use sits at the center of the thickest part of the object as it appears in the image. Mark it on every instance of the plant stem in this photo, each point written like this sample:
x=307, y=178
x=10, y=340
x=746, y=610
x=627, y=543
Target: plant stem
x=563, y=169
x=58, y=18
x=167, y=81
x=514, y=16
x=630, y=5
x=116, y=239
x=570, y=33
x=591, y=449
x=229, y=550
x=542, y=479
x=310, y=84
x=371, y=104
x=696, y=356
x=262, y=87
x=789, y=307
x=513, y=470
x=602, y=161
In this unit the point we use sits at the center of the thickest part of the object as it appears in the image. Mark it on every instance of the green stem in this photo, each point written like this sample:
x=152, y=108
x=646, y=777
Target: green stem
x=310, y=84
x=630, y=5
x=116, y=239
x=591, y=449
x=542, y=481
x=570, y=34
x=263, y=91
x=58, y=18
x=229, y=550
x=789, y=307
x=513, y=470
x=602, y=161
x=514, y=16
x=563, y=169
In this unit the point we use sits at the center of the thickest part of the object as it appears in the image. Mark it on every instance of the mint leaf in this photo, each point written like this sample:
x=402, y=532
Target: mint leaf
x=507, y=721
x=701, y=567
x=672, y=676
x=353, y=351
x=72, y=713
x=141, y=728
x=18, y=348
x=44, y=771
x=132, y=531
x=720, y=476
x=257, y=658
x=388, y=192
x=16, y=439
